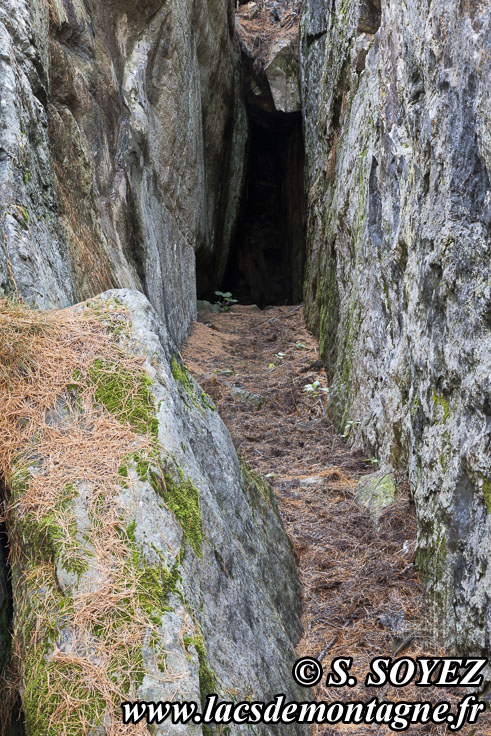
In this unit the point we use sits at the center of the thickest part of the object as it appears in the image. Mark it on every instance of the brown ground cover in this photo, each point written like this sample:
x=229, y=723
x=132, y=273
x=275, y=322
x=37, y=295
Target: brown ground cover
x=259, y=28
x=362, y=595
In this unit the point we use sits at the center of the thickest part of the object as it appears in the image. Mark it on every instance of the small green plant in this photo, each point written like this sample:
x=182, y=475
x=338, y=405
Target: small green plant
x=225, y=300
x=225, y=371
x=347, y=428
x=315, y=389
x=25, y=216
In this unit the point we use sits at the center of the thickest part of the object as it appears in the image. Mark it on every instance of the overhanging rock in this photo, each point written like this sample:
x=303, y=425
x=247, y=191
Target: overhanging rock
x=283, y=74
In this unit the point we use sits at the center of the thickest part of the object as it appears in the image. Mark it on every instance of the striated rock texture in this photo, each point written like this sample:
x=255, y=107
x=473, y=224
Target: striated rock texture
x=173, y=582
x=121, y=148
x=398, y=132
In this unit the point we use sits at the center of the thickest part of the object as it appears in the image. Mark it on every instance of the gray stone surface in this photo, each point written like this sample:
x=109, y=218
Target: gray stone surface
x=33, y=252
x=270, y=66
x=205, y=306
x=121, y=149
x=375, y=493
x=283, y=74
x=243, y=594
x=247, y=397
x=397, y=123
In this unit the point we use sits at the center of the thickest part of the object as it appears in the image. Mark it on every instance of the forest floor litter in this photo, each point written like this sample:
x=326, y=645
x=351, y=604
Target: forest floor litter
x=361, y=591
x=262, y=24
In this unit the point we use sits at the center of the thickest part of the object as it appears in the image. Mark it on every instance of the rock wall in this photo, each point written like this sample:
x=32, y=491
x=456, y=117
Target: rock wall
x=121, y=148
x=398, y=131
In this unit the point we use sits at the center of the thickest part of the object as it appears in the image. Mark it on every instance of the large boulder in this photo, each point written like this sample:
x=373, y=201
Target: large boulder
x=270, y=56
x=283, y=74
x=161, y=570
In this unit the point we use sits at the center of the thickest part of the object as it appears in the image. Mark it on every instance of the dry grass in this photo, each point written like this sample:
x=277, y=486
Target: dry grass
x=57, y=439
x=43, y=355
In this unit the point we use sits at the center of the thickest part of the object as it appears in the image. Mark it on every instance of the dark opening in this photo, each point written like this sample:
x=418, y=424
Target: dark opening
x=267, y=257
x=13, y=710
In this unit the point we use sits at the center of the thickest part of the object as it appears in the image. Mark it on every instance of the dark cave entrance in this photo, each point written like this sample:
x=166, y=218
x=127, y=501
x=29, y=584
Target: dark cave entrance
x=267, y=256
x=265, y=263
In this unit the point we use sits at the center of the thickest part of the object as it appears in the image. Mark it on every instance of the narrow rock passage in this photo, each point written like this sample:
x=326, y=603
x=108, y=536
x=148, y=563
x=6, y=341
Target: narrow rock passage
x=362, y=596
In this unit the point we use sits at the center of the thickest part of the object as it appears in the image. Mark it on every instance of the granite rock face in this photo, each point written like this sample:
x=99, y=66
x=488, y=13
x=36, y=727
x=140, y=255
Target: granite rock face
x=226, y=614
x=398, y=132
x=121, y=148
x=282, y=73
x=122, y=151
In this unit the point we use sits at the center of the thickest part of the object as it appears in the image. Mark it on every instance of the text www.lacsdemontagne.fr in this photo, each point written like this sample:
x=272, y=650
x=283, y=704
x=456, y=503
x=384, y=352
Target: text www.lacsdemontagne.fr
x=397, y=716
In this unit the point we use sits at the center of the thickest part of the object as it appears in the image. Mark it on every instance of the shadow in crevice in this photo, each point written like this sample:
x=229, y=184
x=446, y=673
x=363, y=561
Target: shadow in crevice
x=11, y=716
x=370, y=16
x=267, y=258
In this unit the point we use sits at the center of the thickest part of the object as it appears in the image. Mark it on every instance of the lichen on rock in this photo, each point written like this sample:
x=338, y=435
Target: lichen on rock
x=94, y=150
x=376, y=493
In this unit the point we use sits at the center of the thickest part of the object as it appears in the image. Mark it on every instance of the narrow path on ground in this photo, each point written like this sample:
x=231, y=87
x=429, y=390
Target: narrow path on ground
x=362, y=596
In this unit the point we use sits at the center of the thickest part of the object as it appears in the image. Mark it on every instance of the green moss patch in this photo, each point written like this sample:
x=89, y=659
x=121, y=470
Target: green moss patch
x=442, y=402
x=486, y=492
x=182, y=497
x=256, y=484
x=87, y=597
x=42, y=698
x=52, y=537
x=127, y=396
x=181, y=374
x=376, y=493
x=46, y=612
x=155, y=582
x=208, y=682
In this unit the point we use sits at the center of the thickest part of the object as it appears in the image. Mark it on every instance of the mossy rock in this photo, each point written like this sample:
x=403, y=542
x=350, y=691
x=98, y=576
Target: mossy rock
x=375, y=493
x=255, y=401
x=204, y=306
x=126, y=396
x=199, y=399
x=256, y=486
